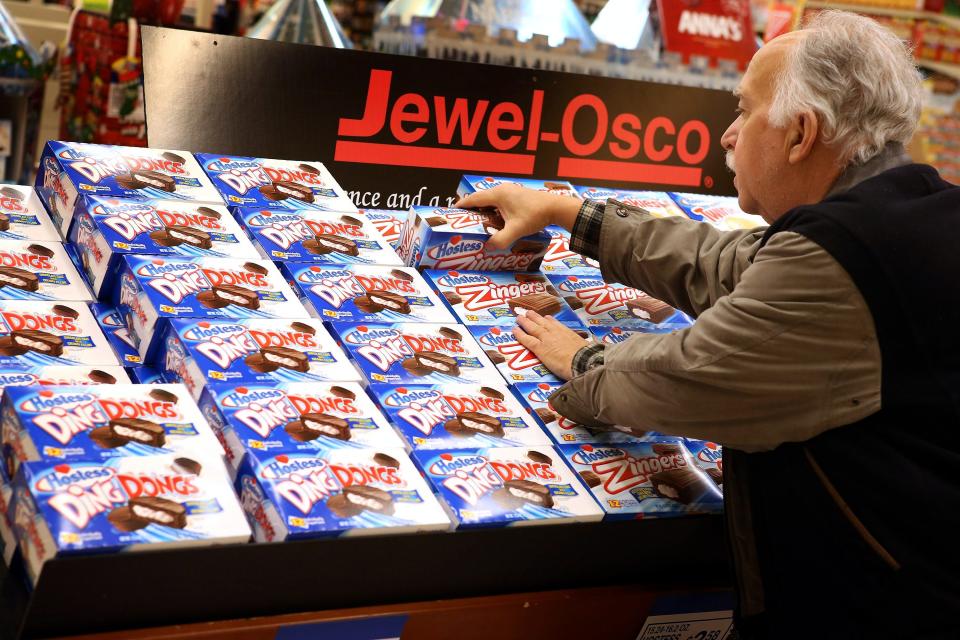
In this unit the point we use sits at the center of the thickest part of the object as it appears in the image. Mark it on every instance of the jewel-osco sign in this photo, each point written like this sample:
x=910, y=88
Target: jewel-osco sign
x=397, y=130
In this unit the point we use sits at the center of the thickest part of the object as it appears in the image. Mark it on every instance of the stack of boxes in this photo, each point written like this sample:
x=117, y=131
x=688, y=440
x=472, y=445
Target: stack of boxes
x=320, y=369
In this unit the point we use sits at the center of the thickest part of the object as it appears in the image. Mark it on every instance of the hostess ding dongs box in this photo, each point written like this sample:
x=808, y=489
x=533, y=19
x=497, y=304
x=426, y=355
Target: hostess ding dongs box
x=505, y=486
x=123, y=504
x=38, y=334
x=295, y=416
x=66, y=375
x=723, y=212
x=336, y=492
x=389, y=222
x=275, y=184
x=494, y=298
x=454, y=416
x=472, y=183
x=444, y=238
x=644, y=479
x=114, y=327
x=365, y=293
x=656, y=203
x=153, y=287
x=105, y=229
x=22, y=217
x=536, y=396
x=317, y=237
x=265, y=350
x=409, y=353
x=599, y=303
x=32, y=270
x=70, y=169
x=101, y=421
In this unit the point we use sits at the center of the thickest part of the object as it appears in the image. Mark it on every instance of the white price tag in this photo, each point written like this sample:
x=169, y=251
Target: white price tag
x=707, y=625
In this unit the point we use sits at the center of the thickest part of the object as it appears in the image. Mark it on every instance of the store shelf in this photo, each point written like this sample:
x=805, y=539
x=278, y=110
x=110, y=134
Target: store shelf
x=952, y=70
x=951, y=21
x=98, y=593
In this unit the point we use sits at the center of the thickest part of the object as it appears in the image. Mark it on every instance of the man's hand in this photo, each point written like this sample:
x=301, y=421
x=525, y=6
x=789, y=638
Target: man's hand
x=524, y=211
x=553, y=343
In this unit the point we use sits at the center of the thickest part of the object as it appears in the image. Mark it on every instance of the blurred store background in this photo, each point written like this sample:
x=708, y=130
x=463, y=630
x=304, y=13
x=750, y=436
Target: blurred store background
x=73, y=72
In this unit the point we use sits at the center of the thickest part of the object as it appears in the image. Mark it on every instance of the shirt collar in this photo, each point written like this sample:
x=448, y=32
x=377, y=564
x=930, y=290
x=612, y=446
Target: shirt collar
x=892, y=156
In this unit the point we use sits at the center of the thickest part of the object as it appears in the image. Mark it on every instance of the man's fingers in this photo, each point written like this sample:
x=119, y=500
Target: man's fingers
x=478, y=199
x=529, y=325
x=506, y=236
x=553, y=324
x=535, y=317
x=524, y=338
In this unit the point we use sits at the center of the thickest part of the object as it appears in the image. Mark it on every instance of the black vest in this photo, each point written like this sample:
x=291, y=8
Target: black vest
x=857, y=531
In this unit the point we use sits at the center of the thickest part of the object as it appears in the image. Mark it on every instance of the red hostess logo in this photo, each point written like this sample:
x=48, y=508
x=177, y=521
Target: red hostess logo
x=660, y=150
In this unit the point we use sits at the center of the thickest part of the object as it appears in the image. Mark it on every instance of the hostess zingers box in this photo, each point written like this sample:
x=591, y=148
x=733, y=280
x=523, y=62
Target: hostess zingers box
x=70, y=169
x=152, y=287
x=105, y=229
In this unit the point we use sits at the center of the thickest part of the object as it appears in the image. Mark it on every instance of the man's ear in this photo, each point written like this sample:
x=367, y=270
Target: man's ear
x=801, y=136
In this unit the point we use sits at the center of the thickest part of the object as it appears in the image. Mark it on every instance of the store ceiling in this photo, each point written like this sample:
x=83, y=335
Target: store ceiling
x=300, y=21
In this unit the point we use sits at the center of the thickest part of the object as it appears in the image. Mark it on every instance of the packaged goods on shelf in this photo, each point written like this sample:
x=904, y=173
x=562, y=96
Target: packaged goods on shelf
x=365, y=293
x=497, y=298
x=105, y=229
x=389, y=222
x=657, y=203
x=722, y=212
x=644, y=479
x=708, y=456
x=598, y=303
x=335, y=492
x=37, y=334
x=22, y=216
x=262, y=350
x=66, y=375
x=459, y=416
x=515, y=362
x=473, y=183
x=146, y=375
x=275, y=184
x=410, y=353
x=445, y=238
x=317, y=237
x=70, y=169
x=295, y=416
x=505, y=486
x=36, y=270
x=114, y=327
x=153, y=287
x=559, y=258
x=130, y=503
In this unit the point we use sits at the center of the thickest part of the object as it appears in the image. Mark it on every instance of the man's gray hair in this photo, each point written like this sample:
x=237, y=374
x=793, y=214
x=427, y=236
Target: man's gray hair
x=860, y=80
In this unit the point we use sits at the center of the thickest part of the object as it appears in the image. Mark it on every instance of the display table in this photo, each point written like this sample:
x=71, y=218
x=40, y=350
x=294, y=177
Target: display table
x=470, y=572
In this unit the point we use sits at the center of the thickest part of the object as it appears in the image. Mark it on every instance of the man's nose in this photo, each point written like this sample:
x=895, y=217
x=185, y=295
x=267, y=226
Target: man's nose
x=729, y=138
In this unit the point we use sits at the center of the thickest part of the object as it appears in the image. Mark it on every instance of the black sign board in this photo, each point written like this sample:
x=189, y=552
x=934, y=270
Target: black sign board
x=397, y=130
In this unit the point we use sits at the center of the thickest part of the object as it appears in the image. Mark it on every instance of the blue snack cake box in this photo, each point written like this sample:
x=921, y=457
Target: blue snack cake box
x=459, y=416
x=473, y=183
x=644, y=479
x=516, y=363
x=656, y=203
x=114, y=327
x=123, y=504
x=365, y=293
x=295, y=416
x=259, y=350
x=411, y=353
x=723, y=212
x=559, y=258
x=70, y=169
x=504, y=486
x=496, y=298
x=389, y=222
x=337, y=492
x=36, y=334
x=24, y=216
x=275, y=184
x=317, y=237
x=104, y=229
x=152, y=288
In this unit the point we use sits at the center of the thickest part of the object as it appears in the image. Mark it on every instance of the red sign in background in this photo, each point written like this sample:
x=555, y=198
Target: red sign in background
x=718, y=29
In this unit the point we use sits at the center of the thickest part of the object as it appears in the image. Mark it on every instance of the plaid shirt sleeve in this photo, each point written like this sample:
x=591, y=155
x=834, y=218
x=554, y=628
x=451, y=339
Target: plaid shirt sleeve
x=585, y=237
x=587, y=358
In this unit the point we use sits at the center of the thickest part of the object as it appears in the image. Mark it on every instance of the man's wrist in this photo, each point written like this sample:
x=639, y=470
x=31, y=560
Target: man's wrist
x=564, y=212
x=587, y=358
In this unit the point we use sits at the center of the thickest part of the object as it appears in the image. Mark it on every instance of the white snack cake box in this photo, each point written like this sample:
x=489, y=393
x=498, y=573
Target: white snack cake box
x=389, y=222
x=459, y=416
x=644, y=479
x=69, y=169
x=123, y=504
x=34, y=270
x=275, y=184
x=152, y=288
x=508, y=486
x=723, y=212
x=336, y=492
x=317, y=237
x=415, y=353
x=559, y=258
x=64, y=423
x=262, y=350
x=656, y=203
x=38, y=334
x=295, y=416
x=473, y=183
x=105, y=229
x=65, y=375
x=22, y=216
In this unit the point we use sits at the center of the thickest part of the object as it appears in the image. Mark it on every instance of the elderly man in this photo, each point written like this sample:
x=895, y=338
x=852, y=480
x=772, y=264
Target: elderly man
x=825, y=355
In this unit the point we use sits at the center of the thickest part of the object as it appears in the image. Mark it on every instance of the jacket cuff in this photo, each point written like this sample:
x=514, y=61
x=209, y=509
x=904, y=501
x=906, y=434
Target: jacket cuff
x=585, y=236
x=587, y=358
x=573, y=400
